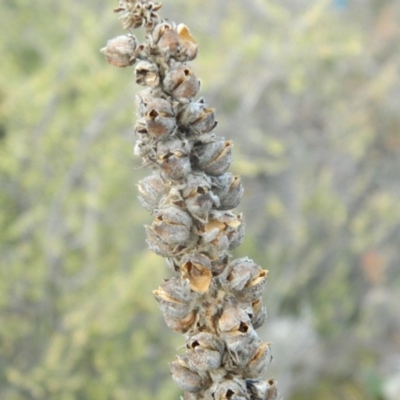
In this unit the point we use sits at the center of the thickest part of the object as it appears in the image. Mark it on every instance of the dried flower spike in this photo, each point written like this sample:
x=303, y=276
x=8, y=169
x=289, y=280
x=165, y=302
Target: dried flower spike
x=214, y=300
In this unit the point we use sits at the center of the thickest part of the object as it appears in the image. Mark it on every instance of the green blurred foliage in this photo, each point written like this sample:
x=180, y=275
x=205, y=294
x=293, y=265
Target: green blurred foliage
x=310, y=96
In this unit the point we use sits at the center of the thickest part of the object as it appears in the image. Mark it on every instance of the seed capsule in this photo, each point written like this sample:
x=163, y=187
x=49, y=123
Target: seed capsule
x=172, y=225
x=187, y=380
x=259, y=314
x=199, y=199
x=173, y=159
x=197, y=269
x=120, y=51
x=229, y=390
x=198, y=118
x=181, y=82
x=151, y=190
x=159, y=118
x=182, y=325
x=240, y=337
x=223, y=231
x=167, y=39
x=204, y=352
x=174, y=298
x=259, y=361
x=262, y=390
x=245, y=278
x=147, y=74
x=229, y=190
x=143, y=98
x=213, y=158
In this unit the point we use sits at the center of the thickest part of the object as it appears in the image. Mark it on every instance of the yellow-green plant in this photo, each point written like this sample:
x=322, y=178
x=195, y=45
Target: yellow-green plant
x=214, y=300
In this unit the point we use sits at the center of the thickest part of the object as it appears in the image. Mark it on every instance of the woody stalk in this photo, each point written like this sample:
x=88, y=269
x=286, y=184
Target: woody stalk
x=214, y=300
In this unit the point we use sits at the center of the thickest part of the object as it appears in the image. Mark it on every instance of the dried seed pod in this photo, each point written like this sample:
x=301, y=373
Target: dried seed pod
x=187, y=380
x=181, y=82
x=229, y=390
x=159, y=118
x=240, y=337
x=204, y=352
x=147, y=74
x=120, y=51
x=172, y=225
x=262, y=390
x=197, y=269
x=174, y=298
x=158, y=246
x=229, y=189
x=151, y=190
x=259, y=314
x=197, y=118
x=224, y=230
x=135, y=14
x=182, y=325
x=143, y=98
x=245, y=278
x=259, y=361
x=167, y=39
x=199, y=199
x=188, y=45
x=213, y=158
x=173, y=158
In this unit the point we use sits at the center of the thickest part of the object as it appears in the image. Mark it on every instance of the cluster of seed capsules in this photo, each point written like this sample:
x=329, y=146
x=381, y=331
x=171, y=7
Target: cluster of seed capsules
x=213, y=300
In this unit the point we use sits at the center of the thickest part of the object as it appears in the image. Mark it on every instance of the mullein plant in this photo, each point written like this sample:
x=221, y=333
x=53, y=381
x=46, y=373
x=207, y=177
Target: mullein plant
x=214, y=300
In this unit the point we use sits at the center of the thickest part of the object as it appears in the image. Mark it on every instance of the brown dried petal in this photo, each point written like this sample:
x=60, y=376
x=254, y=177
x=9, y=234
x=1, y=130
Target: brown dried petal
x=187, y=380
x=120, y=50
x=187, y=42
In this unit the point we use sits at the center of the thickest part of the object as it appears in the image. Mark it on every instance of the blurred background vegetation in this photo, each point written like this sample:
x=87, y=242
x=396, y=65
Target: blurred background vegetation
x=309, y=91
